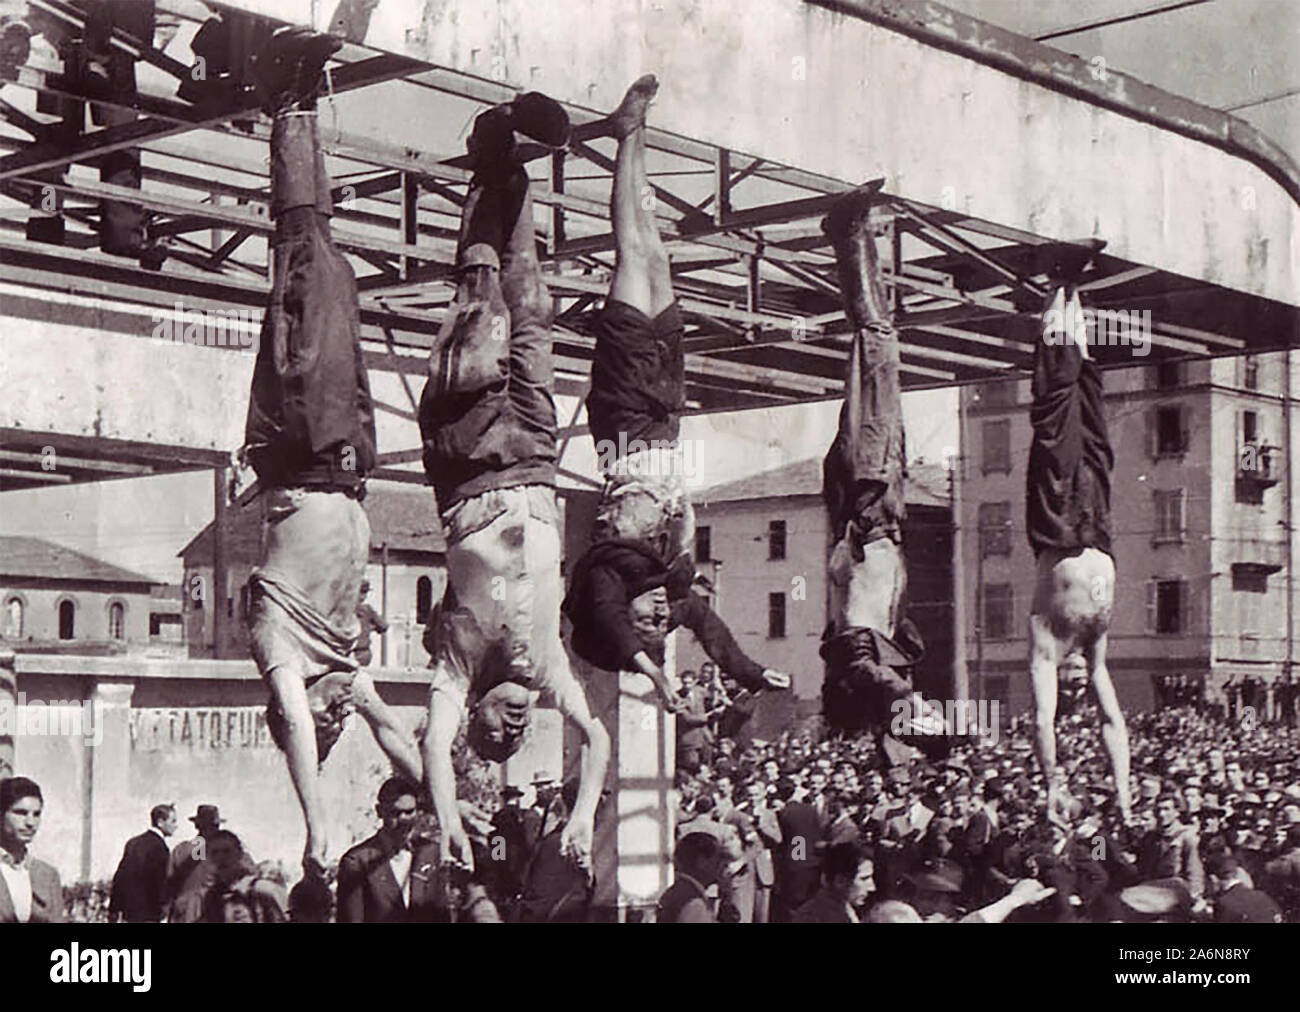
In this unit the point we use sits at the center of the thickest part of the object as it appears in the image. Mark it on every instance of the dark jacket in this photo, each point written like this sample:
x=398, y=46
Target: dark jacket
x=140, y=883
x=47, y=896
x=797, y=859
x=1243, y=905
x=609, y=576
x=823, y=908
x=555, y=890
x=368, y=892
x=684, y=902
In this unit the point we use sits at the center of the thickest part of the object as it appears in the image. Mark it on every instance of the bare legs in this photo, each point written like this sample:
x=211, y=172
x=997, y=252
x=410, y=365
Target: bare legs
x=641, y=274
x=1073, y=600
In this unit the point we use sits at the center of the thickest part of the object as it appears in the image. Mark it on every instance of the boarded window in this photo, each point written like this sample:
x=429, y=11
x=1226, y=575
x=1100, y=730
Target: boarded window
x=995, y=528
x=997, y=445
x=1169, y=515
x=998, y=614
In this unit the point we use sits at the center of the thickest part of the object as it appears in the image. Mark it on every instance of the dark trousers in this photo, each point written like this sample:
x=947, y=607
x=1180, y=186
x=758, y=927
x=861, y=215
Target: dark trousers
x=310, y=415
x=1067, y=496
x=866, y=468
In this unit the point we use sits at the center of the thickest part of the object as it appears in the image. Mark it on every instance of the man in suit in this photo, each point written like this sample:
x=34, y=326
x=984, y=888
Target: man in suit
x=30, y=891
x=759, y=832
x=798, y=858
x=555, y=891
x=518, y=830
x=391, y=878
x=190, y=873
x=694, y=739
x=1237, y=902
x=140, y=883
x=1283, y=873
x=697, y=865
x=846, y=882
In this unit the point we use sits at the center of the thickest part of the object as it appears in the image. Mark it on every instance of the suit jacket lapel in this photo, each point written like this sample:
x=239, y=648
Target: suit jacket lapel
x=383, y=881
x=7, y=915
x=42, y=893
x=423, y=868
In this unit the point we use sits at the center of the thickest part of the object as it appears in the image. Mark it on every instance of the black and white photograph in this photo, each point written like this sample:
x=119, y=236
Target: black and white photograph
x=649, y=461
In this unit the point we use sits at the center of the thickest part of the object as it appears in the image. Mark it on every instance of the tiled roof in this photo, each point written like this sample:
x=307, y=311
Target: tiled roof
x=401, y=516
x=35, y=558
x=927, y=484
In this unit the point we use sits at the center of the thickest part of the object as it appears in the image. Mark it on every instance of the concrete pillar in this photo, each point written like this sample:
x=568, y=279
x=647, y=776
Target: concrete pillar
x=635, y=829
x=108, y=778
x=8, y=711
x=645, y=755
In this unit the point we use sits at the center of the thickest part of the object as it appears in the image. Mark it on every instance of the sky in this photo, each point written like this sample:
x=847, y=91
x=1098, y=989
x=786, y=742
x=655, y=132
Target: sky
x=1222, y=53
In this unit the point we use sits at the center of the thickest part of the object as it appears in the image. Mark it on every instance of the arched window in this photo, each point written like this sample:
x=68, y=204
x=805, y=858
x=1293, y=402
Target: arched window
x=67, y=620
x=13, y=618
x=423, y=599
x=117, y=621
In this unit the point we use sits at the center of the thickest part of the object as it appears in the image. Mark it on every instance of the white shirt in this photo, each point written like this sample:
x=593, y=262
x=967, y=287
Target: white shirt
x=401, y=865
x=19, y=883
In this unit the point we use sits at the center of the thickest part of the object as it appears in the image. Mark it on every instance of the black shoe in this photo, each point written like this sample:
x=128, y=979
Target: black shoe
x=290, y=70
x=537, y=117
x=540, y=118
x=491, y=144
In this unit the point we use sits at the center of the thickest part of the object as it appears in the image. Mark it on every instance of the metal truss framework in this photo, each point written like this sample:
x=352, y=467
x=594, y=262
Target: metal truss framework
x=755, y=278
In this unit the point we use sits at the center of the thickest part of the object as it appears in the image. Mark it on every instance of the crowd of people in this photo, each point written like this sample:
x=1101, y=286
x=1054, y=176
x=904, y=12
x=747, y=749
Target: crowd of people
x=1215, y=833
x=794, y=830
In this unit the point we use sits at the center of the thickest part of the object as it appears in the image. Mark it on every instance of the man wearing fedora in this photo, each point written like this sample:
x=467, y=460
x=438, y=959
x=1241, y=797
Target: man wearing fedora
x=190, y=873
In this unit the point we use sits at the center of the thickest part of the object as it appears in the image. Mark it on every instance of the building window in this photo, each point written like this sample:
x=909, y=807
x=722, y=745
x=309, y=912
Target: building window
x=776, y=616
x=423, y=599
x=1250, y=372
x=1168, y=433
x=704, y=544
x=996, y=393
x=165, y=626
x=997, y=611
x=998, y=687
x=1167, y=606
x=1249, y=427
x=995, y=528
x=776, y=539
x=13, y=618
x=1169, y=515
x=1169, y=375
x=67, y=620
x=117, y=621
x=997, y=445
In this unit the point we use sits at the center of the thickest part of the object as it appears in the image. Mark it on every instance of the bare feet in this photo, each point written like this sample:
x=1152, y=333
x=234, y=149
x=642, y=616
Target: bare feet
x=630, y=114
